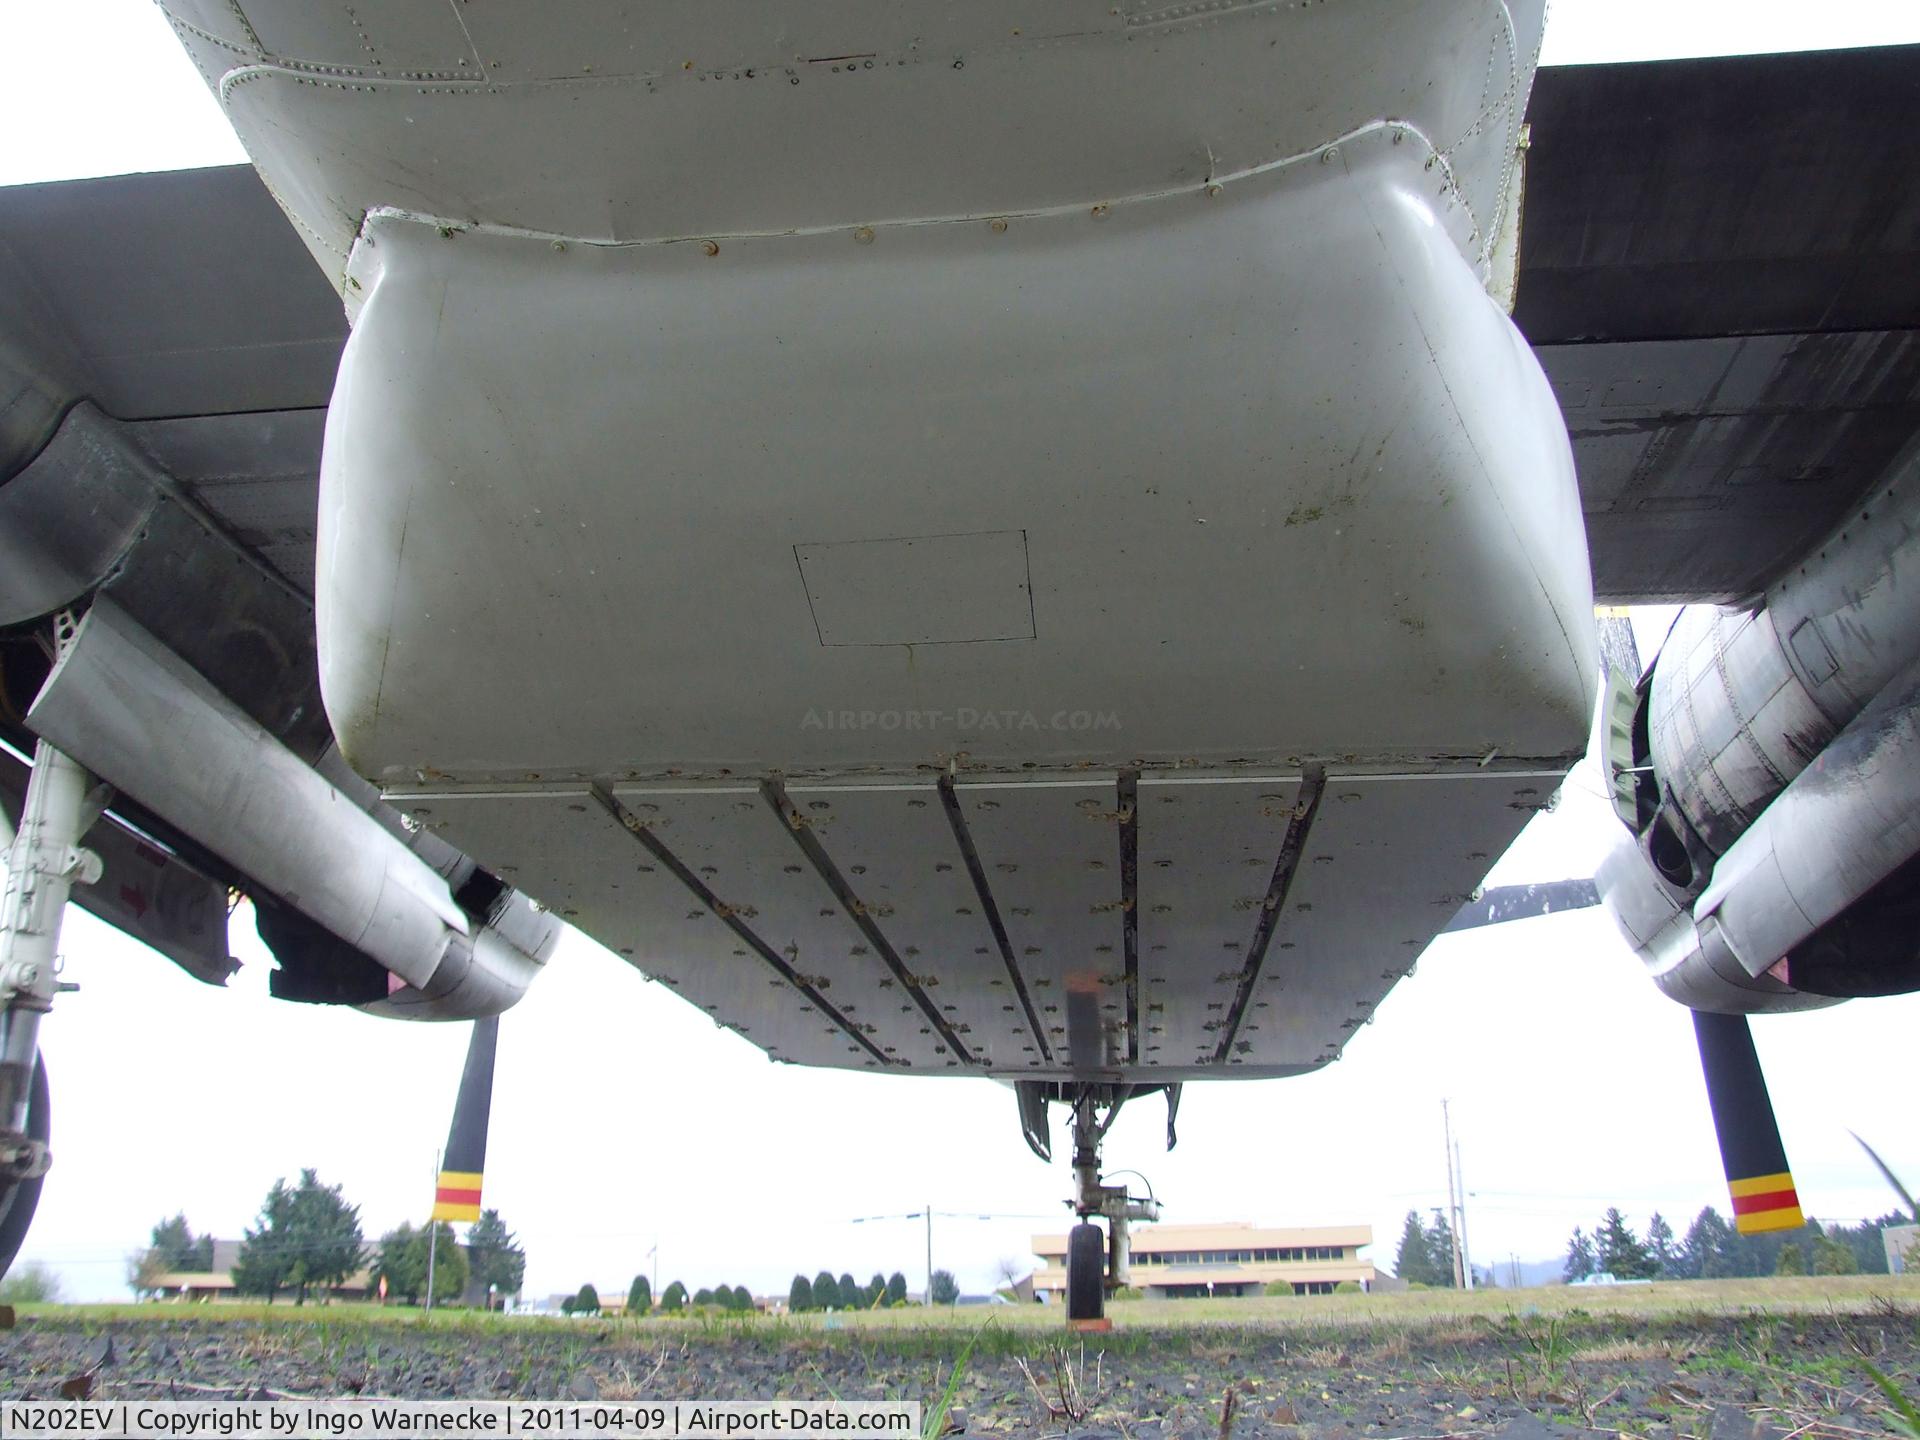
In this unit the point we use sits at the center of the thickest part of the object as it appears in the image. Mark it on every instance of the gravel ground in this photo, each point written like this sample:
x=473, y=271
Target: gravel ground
x=1519, y=1375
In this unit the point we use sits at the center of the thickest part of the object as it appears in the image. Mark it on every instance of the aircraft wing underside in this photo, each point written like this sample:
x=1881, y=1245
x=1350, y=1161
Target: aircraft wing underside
x=1731, y=324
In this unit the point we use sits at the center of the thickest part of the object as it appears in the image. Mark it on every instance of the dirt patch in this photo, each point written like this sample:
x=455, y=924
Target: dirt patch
x=1518, y=1376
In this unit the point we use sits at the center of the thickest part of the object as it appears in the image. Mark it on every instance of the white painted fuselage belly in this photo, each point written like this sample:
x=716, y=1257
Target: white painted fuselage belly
x=1213, y=538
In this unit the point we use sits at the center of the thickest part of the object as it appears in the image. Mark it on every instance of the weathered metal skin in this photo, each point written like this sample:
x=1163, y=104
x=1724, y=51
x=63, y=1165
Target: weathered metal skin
x=1781, y=757
x=710, y=118
x=1845, y=823
x=70, y=515
x=39, y=374
x=1730, y=720
x=1284, y=424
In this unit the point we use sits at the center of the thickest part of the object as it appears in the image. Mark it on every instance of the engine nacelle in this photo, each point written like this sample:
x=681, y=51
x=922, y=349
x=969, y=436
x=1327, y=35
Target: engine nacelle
x=1775, y=761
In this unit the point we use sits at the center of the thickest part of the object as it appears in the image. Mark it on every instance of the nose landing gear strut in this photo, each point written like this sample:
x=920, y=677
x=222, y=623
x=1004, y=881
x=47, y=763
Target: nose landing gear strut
x=1097, y=1261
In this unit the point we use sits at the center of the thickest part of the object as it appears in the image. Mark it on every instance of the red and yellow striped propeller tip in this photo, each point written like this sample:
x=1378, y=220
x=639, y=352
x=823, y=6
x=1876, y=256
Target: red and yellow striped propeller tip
x=457, y=1196
x=1766, y=1202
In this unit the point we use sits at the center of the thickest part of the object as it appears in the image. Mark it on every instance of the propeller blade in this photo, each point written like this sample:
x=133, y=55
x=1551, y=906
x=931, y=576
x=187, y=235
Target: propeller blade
x=1892, y=1179
x=456, y=1197
x=1619, y=652
x=1522, y=902
x=1750, y=1149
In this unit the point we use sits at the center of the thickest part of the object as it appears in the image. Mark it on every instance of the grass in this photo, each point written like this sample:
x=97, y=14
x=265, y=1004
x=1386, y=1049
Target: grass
x=1905, y=1419
x=1569, y=1354
x=934, y=1424
x=1544, y=1330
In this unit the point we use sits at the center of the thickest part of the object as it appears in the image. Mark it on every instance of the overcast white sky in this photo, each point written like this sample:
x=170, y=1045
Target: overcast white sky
x=623, y=1118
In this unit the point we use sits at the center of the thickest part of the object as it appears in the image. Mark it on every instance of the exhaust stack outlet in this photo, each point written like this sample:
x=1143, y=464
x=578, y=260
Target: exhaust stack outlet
x=138, y=716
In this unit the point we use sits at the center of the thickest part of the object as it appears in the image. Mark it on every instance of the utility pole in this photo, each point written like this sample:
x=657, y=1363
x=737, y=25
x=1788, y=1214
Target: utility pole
x=1453, y=1196
x=1460, y=1224
x=433, y=1237
x=929, y=1252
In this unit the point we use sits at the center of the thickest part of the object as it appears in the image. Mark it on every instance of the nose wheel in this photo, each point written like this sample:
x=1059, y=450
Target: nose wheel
x=1086, y=1274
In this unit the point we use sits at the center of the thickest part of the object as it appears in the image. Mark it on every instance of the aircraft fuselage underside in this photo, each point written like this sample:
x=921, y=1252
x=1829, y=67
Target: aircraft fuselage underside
x=1028, y=547
x=1095, y=927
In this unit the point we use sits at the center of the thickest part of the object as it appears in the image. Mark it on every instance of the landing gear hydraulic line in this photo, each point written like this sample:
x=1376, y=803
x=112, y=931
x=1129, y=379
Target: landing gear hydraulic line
x=1098, y=1263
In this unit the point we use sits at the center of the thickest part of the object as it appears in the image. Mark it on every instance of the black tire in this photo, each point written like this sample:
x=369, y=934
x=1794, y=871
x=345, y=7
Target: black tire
x=19, y=1203
x=1086, y=1273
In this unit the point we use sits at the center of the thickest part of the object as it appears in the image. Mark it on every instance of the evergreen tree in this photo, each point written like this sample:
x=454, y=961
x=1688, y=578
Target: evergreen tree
x=1579, y=1263
x=1791, y=1261
x=262, y=1266
x=1709, y=1251
x=742, y=1298
x=173, y=1244
x=402, y=1262
x=1414, y=1262
x=172, y=1250
x=499, y=1264
x=1618, y=1250
x=703, y=1296
x=307, y=1236
x=945, y=1290
x=1831, y=1257
x=896, y=1289
x=639, y=1296
x=395, y=1262
x=145, y=1272
x=799, y=1295
x=852, y=1296
x=876, y=1292
x=1863, y=1240
x=674, y=1298
x=451, y=1269
x=1661, y=1247
x=1440, y=1247
x=826, y=1291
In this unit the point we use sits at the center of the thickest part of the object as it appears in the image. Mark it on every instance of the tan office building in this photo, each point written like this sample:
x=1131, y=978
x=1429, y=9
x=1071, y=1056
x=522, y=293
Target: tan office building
x=1232, y=1258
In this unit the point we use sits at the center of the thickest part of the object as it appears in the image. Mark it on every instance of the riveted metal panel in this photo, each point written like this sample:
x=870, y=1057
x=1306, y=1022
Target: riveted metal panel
x=896, y=849
x=722, y=119
x=258, y=474
x=565, y=847
x=1207, y=852
x=1387, y=862
x=739, y=847
x=1052, y=851
x=331, y=36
